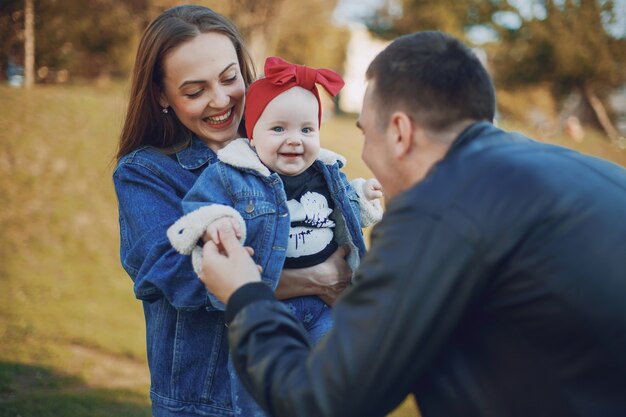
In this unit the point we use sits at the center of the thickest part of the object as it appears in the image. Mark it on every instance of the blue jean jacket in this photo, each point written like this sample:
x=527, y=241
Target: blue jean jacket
x=240, y=186
x=186, y=338
x=239, y=180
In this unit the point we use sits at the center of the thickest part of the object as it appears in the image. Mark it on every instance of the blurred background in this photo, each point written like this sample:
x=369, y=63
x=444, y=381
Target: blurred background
x=71, y=332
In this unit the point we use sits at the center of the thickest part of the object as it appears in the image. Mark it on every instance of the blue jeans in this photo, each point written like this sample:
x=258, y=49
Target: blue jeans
x=317, y=319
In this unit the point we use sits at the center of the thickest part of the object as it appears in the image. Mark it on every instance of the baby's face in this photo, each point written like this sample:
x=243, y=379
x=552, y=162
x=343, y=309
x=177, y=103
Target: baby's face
x=286, y=136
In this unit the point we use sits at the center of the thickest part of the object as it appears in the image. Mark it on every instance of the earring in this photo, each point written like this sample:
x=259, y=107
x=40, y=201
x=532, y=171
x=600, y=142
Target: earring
x=164, y=110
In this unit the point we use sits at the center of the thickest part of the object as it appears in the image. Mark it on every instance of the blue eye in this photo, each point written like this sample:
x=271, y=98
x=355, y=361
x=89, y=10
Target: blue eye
x=306, y=130
x=278, y=129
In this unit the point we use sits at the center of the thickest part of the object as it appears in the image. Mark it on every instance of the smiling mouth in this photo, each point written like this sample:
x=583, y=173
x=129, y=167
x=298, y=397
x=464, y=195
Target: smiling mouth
x=291, y=155
x=219, y=119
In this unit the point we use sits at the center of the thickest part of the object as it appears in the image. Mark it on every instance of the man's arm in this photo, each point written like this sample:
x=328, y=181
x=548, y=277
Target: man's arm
x=412, y=289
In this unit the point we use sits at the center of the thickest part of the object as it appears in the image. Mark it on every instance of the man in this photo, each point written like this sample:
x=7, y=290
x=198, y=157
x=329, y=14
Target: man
x=495, y=284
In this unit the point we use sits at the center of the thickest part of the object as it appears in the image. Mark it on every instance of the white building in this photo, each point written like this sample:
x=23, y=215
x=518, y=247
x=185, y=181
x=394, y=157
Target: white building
x=362, y=48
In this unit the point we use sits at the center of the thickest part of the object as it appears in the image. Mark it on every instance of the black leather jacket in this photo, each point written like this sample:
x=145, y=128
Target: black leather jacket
x=494, y=287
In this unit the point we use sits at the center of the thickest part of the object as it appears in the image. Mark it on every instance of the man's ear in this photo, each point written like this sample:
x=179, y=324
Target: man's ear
x=403, y=129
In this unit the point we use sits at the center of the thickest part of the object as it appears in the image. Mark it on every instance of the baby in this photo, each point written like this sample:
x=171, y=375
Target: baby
x=282, y=194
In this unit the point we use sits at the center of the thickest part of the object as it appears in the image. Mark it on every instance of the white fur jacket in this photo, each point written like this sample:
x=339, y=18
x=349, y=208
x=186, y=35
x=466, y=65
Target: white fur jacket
x=185, y=233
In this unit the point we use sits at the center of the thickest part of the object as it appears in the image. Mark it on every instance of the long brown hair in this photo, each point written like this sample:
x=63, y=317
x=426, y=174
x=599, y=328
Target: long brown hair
x=144, y=123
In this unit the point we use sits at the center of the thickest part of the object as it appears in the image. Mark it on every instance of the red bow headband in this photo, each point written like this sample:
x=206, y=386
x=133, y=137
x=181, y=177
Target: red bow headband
x=280, y=76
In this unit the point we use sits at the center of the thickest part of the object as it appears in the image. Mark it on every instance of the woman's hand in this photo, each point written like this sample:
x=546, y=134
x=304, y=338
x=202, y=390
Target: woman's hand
x=326, y=280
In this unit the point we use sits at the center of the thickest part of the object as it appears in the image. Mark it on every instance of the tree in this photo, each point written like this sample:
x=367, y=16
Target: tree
x=29, y=44
x=89, y=38
x=11, y=34
x=400, y=17
x=84, y=37
x=256, y=20
x=565, y=44
x=308, y=36
x=301, y=32
x=97, y=38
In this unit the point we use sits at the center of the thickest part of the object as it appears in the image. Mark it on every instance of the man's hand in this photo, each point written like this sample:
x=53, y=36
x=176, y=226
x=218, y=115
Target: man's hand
x=227, y=267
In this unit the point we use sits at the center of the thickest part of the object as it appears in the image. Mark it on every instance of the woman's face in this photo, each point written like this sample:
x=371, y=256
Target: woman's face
x=204, y=86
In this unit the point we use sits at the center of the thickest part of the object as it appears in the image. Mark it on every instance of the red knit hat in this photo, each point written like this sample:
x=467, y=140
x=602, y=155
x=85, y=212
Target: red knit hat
x=280, y=76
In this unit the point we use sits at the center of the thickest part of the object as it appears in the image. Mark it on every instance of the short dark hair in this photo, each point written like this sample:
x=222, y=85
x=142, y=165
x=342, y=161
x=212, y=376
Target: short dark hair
x=433, y=77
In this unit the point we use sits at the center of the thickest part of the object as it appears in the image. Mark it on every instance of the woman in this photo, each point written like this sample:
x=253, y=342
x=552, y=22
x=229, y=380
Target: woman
x=187, y=100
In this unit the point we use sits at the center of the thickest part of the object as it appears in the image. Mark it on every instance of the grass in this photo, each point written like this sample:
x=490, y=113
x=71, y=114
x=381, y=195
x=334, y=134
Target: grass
x=72, y=333
x=69, y=323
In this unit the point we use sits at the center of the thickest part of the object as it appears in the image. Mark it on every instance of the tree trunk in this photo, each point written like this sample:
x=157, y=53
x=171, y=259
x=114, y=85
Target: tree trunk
x=29, y=44
x=601, y=113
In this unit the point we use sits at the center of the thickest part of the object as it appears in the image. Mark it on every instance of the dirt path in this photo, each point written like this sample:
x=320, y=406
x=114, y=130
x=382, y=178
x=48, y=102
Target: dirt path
x=105, y=370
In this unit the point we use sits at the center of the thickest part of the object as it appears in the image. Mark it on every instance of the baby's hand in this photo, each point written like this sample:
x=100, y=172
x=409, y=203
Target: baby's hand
x=221, y=224
x=372, y=189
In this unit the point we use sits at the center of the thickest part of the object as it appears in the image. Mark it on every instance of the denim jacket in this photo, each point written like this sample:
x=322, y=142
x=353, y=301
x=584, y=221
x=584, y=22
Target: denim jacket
x=186, y=340
x=241, y=182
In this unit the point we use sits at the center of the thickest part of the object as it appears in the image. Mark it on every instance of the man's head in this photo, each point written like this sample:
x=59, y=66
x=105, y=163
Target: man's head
x=423, y=90
x=433, y=77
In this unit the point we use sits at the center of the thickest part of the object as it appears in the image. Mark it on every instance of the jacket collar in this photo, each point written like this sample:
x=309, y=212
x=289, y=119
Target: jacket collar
x=240, y=154
x=195, y=155
x=464, y=139
x=467, y=135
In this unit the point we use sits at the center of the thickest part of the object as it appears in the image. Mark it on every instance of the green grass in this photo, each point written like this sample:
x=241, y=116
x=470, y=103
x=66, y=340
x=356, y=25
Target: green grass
x=68, y=319
x=72, y=334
